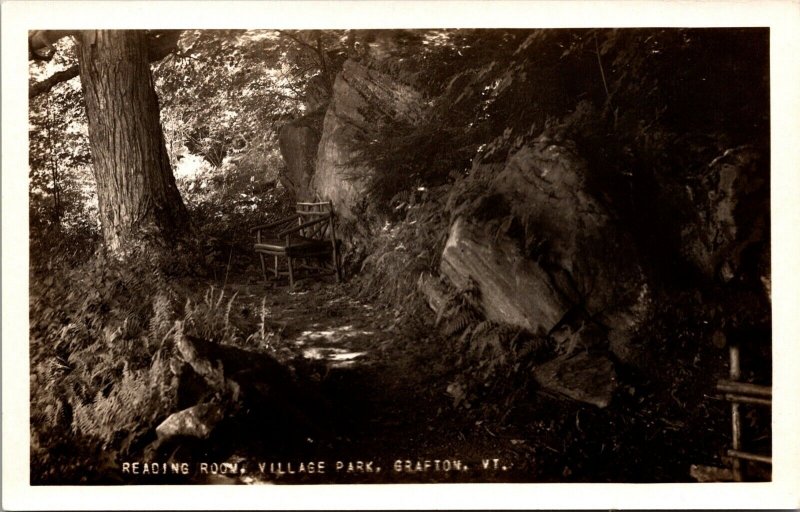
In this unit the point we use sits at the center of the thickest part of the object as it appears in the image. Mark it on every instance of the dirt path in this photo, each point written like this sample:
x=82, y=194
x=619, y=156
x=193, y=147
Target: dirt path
x=380, y=410
x=374, y=395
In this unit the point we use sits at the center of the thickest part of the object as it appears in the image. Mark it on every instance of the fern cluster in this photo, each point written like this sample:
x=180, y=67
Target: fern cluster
x=139, y=398
x=402, y=250
x=104, y=367
x=210, y=318
x=492, y=360
x=100, y=345
x=461, y=311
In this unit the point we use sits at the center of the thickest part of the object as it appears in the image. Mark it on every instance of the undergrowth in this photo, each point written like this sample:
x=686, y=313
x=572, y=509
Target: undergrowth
x=492, y=361
x=98, y=335
x=224, y=202
x=104, y=367
x=404, y=248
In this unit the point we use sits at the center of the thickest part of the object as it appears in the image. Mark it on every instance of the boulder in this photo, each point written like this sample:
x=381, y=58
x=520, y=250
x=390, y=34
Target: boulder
x=197, y=421
x=539, y=242
x=582, y=376
x=514, y=289
x=362, y=99
x=299, y=142
x=234, y=372
x=591, y=258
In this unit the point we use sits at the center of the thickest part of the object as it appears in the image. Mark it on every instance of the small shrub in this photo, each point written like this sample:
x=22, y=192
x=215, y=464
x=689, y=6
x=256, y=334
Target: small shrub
x=210, y=318
x=401, y=250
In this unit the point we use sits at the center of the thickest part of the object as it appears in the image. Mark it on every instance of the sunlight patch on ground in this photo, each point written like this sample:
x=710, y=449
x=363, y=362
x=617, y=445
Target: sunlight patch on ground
x=332, y=335
x=317, y=334
x=338, y=357
x=318, y=345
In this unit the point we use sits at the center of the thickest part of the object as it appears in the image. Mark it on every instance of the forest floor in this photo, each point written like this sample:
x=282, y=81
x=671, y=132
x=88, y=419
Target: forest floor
x=381, y=382
x=381, y=413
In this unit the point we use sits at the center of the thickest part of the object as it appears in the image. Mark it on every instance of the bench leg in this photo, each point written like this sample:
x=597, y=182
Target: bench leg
x=275, y=270
x=291, y=276
x=263, y=266
x=336, y=267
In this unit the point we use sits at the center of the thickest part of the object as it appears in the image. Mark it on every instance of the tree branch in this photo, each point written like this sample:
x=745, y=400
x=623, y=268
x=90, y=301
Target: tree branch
x=160, y=44
x=328, y=84
x=39, y=40
x=297, y=40
x=50, y=82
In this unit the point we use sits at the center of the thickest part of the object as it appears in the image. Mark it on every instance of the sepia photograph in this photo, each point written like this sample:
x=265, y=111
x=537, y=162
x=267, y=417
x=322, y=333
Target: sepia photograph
x=304, y=257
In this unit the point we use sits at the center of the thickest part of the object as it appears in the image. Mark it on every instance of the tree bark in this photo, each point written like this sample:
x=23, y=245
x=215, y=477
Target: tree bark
x=139, y=204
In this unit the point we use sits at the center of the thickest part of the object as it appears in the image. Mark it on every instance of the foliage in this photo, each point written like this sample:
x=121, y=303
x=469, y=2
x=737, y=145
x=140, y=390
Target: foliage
x=226, y=92
x=63, y=203
x=210, y=319
x=405, y=248
x=478, y=85
x=128, y=407
x=97, y=337
x=103, y=362
x=225, y=202
x=492, y=361
x=659, y=97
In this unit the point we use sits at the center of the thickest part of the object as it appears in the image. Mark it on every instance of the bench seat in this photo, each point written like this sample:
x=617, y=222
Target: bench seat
x=298, y=246
x=306, y=240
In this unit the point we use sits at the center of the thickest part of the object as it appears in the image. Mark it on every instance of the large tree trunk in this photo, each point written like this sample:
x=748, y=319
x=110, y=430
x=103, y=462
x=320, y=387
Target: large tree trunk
x=140, y=206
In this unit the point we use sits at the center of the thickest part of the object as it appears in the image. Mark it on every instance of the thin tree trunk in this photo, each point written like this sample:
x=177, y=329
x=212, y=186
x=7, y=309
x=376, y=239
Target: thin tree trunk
x=139, y=204
x=49, y=122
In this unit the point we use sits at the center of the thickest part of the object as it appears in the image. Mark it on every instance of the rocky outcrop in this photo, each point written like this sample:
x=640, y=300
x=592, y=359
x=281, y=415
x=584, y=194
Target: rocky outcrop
x=573, y=234
x=732, y=204
x=547, y=245
x=362, y=99
x=514, y=289
x=548, y=255
x=299, y=142
x=235, y=373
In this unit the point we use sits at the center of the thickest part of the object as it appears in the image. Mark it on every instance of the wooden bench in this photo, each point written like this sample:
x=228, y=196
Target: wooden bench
x=307, y=240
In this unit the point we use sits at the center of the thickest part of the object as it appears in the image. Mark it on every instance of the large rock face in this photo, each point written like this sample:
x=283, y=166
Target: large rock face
x=540, y=244
x=553, y=246
x=514, y=289
x=362, y=99
x=590, y=258
x=299, y=141
x=732, y=205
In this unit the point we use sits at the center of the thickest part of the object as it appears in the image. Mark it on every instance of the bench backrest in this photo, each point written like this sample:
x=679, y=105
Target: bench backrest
x=314, y=211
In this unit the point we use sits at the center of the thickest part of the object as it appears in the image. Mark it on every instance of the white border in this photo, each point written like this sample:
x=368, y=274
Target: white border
x=782, y=17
